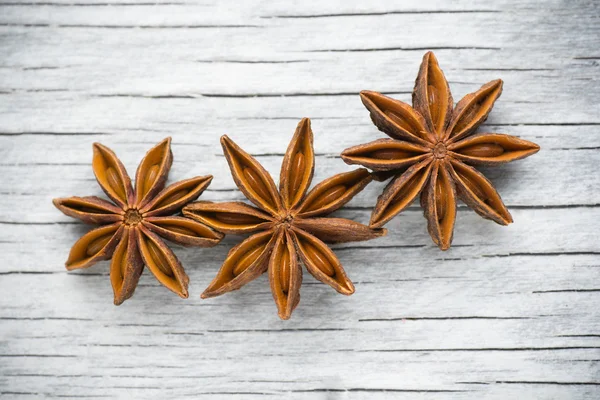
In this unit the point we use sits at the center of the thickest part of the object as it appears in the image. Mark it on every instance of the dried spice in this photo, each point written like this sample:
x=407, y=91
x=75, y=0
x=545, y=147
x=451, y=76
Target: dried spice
x=132, y=227
x=289, y=222
x=431, y=152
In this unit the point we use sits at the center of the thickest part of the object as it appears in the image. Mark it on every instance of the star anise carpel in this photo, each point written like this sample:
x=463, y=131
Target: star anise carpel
x=133, y=227
x=432, y=150
x=287, y=224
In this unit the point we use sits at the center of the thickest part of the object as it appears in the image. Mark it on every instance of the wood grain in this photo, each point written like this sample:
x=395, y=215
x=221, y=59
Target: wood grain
x=508, y=312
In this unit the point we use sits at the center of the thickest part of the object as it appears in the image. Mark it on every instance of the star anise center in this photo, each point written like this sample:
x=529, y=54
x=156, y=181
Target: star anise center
x=439, y=151
x=132, y=217
x=286, y=220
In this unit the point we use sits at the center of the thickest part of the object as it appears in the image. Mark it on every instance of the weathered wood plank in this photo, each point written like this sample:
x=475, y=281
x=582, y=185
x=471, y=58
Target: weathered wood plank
x=508, y=312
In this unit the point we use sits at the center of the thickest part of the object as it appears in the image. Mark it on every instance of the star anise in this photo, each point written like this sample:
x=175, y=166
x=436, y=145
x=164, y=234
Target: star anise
x=432, y=150
x=131, y=228
x=289, y=221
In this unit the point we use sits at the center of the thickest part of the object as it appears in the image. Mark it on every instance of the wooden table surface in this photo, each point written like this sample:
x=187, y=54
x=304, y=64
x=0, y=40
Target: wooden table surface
x=507, y=313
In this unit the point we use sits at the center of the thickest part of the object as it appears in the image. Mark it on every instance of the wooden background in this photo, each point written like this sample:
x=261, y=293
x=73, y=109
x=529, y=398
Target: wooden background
x=507, y=313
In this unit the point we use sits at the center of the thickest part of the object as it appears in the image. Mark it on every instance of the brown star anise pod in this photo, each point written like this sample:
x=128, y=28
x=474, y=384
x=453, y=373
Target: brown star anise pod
x=131, y=228
x=291, y=224
x=432, y=150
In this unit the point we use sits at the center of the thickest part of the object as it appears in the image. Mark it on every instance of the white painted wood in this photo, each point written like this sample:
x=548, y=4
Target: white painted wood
x=508, y=312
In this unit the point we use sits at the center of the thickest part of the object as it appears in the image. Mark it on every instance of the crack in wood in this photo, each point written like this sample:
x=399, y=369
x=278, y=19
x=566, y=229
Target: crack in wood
x=275, y=330
x=367, y=247
x=544, y=254
x=251, y=62
x=566, y=290
x=553, y=206
x=442, y=318
x=233, y=96
x=38, y=68
x=35, y=273
x=37, y=356
x=546, y=124
x=482, y=349
x=91, y=4
x=48, y=133
x=38, y=223
x=240, y=393
x=579, y=336
x=45, y=319
x=377, y=390
x=381, y=13
x=266, y=118
x=41, y=164
x=574, y=148
x=373, y=49
x=509, y=69
x=548, y=383
x=91, y=26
